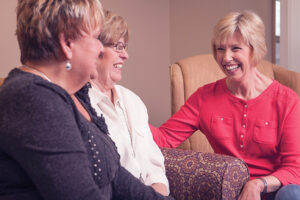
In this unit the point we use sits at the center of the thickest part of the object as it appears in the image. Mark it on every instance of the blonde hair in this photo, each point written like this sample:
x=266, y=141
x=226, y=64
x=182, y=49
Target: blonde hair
x=251, y=28
x=40, y=22
x=113, y=29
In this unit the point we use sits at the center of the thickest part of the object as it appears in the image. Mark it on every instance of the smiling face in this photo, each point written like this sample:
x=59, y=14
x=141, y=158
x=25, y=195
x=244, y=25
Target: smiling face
x=109, y=66
x=234, y=57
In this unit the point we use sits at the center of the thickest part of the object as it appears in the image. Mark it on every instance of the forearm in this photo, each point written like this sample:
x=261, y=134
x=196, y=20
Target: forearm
x=158, y=137
x=172, y=133
x=180, y=126
x=156, y=172
x=272, y=184
x=254, y=188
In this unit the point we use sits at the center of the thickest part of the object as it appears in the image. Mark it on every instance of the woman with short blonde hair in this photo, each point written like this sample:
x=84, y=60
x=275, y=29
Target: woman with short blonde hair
x=252, y=31
x=246, y=114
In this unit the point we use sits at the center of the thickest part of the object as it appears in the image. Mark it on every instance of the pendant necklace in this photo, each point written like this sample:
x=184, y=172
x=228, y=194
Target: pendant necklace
x=39, y=72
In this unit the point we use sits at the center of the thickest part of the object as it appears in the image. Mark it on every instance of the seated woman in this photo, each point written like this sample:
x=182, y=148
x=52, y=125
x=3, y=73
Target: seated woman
x=51, y=146
x=246, y=114
x=124, y=112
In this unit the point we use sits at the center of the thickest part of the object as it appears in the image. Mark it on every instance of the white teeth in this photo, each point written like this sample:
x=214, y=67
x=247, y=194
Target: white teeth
x=232, y=67
x=119, y=66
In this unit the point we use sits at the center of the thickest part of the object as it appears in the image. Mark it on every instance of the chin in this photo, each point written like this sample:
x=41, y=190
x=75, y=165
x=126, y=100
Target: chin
x=117, y=79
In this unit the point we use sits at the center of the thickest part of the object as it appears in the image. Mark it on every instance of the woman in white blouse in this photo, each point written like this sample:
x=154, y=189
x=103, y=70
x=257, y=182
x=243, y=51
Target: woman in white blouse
x=124, y=112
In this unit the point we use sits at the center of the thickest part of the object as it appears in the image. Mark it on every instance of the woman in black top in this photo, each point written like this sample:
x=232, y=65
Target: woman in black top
x=51, y=146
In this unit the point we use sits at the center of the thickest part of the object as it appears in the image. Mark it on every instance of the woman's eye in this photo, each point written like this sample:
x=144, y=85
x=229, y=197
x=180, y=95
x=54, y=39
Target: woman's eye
x=220, y=49
x=236, y=48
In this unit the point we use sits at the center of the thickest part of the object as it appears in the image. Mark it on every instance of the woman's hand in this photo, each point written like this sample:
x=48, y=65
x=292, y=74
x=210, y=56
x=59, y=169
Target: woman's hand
x=160, y=188
x=252, y=190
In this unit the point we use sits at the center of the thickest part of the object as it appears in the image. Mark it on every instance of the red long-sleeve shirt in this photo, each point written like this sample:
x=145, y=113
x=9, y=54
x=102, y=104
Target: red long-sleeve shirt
x=264, y=131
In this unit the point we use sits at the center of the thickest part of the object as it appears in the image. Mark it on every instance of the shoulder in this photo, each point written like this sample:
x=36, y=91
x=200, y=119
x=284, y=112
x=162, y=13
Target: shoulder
x=23, y=83
x=33, y=107
x=210, y=89
x=130, y=100
x=24, y=90
x=284, y=93
x=126, y=93
x=285, y=99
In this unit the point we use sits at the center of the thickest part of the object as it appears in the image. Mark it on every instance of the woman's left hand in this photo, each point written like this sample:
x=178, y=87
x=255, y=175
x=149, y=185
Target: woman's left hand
x=252, y=190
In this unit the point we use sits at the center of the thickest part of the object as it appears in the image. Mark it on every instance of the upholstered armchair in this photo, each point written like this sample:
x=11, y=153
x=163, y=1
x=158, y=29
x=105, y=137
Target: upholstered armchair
x=194, y=175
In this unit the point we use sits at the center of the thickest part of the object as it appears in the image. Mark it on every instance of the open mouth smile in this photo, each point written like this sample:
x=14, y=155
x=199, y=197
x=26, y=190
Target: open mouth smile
x=118, y=66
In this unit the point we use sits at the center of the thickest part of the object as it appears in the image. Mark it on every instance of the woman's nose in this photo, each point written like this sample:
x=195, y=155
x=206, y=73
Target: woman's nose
x=228, y=55
x=124, y=54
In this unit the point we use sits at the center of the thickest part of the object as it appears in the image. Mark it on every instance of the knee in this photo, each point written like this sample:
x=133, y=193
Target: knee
x=288, y=192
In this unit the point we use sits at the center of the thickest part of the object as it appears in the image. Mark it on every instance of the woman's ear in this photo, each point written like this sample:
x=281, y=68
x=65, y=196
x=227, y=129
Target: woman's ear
x=65, y=46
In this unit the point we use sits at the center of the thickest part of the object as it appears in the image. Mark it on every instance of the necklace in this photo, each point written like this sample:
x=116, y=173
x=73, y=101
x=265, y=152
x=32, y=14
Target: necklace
x=39, y=72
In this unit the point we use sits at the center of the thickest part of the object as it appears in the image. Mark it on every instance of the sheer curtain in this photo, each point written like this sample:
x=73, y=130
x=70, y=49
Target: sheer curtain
x=290, y=34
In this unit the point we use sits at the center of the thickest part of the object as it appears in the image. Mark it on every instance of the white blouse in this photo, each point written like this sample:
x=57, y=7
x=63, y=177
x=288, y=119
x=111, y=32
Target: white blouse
x=127, y=121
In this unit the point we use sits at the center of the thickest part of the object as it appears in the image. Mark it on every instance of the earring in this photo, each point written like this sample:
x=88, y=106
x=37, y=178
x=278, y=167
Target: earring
x=68, y=65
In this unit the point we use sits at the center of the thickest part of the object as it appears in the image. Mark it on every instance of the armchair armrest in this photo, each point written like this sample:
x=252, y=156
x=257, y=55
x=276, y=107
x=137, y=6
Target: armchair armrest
x=197, y=175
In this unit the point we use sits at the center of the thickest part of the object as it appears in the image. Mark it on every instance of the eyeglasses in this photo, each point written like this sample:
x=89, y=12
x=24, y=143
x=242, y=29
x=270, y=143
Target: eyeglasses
x=119, y=46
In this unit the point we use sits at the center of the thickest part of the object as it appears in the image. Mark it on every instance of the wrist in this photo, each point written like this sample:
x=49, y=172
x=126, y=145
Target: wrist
x=265, y=185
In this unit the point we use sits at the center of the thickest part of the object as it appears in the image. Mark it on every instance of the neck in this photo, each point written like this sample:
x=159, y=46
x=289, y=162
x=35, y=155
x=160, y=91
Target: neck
x=37, y=72
x=56, y=73
x=107, y=91
x=249, y=87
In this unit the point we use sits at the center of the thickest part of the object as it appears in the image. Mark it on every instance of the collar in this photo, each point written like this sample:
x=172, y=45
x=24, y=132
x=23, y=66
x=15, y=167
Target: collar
x=101, y=97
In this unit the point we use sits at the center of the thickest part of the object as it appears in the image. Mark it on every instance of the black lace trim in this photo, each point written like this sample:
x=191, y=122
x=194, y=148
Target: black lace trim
x=83, y=96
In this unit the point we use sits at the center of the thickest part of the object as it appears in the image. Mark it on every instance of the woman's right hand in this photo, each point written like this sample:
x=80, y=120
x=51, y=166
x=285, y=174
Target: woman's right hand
x=252, y=190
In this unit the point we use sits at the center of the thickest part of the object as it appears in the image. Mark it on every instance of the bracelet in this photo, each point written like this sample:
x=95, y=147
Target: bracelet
x=265, y=185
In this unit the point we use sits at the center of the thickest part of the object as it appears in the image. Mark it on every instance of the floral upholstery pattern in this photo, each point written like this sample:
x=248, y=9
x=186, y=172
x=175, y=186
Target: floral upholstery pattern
x=196, y=175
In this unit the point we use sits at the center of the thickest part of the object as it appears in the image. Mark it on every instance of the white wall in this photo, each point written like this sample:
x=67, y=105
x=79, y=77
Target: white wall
x=162, y=32
x=146, y=71
x=9, y=49
x=192, y=23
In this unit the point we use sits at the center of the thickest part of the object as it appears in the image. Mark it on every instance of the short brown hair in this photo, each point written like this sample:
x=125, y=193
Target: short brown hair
x=39, y=23
x=251, y=28
x=114, y=28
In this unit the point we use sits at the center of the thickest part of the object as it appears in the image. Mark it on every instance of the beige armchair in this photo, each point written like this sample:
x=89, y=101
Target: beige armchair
x=191, y=73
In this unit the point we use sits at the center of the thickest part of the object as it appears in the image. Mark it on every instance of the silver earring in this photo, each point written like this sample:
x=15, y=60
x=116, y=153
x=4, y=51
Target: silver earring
x=68, y=65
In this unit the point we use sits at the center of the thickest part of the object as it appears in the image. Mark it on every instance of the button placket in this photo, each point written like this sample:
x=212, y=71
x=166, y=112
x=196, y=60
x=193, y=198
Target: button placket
x=95, y=153
x=244, y=126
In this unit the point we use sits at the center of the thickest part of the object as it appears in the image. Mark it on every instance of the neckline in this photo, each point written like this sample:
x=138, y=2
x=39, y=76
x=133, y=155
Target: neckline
x=227, y=91
x=38, y=72
x=102, y=95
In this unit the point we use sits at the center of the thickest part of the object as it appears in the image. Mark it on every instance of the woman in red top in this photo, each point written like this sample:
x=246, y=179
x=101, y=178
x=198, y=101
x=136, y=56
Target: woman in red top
x=247, y=114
